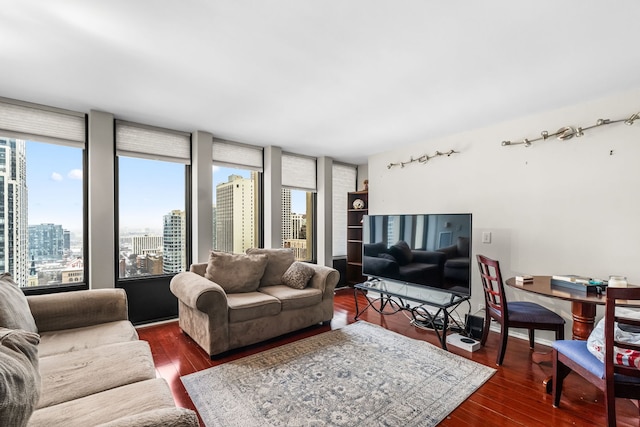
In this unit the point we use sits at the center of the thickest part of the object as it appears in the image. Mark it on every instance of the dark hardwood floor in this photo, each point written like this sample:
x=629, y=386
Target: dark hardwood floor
x=513, y=396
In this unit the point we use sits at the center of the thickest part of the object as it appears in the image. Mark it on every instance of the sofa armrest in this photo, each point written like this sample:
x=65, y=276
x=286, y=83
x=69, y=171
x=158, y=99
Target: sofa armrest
x=198, y=292
x=380, y=267
x=77, y=309
x=174, y=417
x=325, y=278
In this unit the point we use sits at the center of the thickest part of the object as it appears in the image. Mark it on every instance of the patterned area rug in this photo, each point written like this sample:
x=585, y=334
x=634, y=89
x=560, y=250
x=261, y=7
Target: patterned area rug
x=360, y=375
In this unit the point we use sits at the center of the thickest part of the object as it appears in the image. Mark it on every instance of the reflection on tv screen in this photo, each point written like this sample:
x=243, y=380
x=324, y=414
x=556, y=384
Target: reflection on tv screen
x=431, y=250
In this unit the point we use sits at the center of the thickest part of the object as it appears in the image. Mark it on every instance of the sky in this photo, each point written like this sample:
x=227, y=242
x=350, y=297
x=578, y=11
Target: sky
x=148, y=189
x=54, y=184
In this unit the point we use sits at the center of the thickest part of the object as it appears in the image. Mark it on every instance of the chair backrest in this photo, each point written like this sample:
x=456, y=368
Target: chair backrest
x=618, y=297
x=493, y=287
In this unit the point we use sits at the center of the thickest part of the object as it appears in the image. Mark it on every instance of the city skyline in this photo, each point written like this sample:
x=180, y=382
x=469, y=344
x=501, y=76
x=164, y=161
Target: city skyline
x=54, y=182
x=44, y=197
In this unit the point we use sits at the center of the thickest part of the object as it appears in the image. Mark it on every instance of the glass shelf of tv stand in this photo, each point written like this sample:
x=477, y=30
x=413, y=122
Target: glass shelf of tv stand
x=388, y=297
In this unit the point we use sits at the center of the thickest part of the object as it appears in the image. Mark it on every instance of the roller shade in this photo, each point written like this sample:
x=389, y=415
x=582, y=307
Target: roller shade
x=24, y=120
x=233, y=154
x=149, y=142
x=298, y=172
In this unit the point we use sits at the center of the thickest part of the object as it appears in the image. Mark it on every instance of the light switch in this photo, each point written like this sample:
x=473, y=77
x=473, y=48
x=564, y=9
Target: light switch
x=486, y=237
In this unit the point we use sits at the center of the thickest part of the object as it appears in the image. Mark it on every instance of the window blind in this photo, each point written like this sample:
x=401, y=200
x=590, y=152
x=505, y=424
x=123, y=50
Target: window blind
x=234, y=154
x=298, y=172
x=343, y=181
x=24, y=120
x=149, y=142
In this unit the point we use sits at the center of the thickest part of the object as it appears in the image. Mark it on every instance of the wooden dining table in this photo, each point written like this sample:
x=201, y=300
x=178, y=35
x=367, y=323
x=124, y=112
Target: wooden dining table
x=583, y=304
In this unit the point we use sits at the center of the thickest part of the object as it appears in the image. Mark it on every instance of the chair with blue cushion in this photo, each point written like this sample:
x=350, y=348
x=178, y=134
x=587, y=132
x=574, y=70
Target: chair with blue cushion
x=614, y=379
x=517, y=314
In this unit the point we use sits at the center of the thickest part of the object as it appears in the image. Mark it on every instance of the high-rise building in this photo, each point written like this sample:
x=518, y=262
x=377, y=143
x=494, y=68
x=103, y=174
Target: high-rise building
x=14, y=232
x=298, y=226
x=235, y=214
x=147, y=244
x=286, y=214
x=67, y=241
x=47, y=242
x=174, y=251
x=214, y=243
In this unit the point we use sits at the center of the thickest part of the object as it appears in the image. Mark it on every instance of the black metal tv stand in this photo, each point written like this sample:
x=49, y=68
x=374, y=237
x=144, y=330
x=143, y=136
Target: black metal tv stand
x=394, y=297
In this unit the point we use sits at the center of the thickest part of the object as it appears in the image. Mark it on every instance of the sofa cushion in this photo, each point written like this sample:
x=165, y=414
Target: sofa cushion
x=78, y=374
x=169, y=417
x=291, y=299
x=236, y=272
x=251, y=305
x=387, y=256
x=457, y=263
x=298, y=275
x=14, y=309
x=19, y=376
x=279, y=261
x=401, y=252
x=64, y=341
x=199, y=268
x=110, y=405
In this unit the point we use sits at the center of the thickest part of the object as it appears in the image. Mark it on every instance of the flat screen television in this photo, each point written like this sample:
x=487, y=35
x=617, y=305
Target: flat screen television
x=431, y=250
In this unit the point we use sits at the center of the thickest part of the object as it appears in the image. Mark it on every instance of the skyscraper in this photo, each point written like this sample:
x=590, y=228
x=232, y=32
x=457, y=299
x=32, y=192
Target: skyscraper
x=173, y=231
x=14, y=230
x=47, y=242
x=298, y=226
x=235, y=217
x=147, y=244
x=214, y=243
x=286, y=215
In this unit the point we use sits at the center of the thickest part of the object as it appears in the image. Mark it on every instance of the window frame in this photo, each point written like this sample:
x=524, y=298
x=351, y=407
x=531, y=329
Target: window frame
x=229, y=161
x=124, y=281
x=53, y=136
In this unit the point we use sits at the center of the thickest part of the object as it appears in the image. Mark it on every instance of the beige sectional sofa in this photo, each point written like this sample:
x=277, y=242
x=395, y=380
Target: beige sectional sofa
x=74, y=359
x=236, y=300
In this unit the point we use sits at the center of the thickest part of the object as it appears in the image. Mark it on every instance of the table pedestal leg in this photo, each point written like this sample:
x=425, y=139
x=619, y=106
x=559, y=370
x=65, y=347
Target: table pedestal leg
x=584, y=315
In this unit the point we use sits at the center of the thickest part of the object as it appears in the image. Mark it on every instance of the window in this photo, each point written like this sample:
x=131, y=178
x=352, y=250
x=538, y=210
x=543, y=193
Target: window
x=237, y=175
x=299, y=205
x=343, y=181
x=298, y=212
x=152, y=219
x=42, y=215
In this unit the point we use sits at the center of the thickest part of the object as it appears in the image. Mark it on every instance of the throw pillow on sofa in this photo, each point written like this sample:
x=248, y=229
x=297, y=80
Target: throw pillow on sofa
x=19, y=376
x=14, y=309
x=298, y=275
x=401, y=252
x=279, y=260
x=236, y=273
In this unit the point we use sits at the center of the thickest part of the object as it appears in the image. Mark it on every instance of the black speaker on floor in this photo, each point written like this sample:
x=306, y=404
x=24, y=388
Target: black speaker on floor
x=474, y=326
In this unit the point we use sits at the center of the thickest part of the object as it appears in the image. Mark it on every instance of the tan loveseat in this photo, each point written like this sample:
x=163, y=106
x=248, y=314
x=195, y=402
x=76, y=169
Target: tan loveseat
x=89, y=367
x=237, y=300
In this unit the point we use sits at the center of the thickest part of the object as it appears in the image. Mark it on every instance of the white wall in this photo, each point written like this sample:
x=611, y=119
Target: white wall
x=557, y=207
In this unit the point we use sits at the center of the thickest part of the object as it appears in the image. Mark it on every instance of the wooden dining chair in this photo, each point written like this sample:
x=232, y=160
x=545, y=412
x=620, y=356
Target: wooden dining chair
x=516, y=314
x=614, y=379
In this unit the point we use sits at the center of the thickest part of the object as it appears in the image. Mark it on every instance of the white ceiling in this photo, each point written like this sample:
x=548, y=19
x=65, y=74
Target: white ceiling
x=341, y=78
